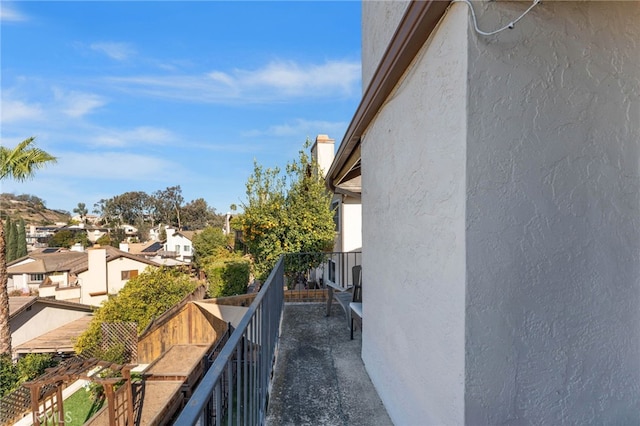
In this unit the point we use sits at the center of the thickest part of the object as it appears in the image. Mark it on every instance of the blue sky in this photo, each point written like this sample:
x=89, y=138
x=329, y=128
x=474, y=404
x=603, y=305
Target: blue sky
x=140, y=96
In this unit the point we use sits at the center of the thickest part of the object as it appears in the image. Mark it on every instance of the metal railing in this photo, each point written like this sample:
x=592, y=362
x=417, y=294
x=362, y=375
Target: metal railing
x=319, y=270
x=235, y=389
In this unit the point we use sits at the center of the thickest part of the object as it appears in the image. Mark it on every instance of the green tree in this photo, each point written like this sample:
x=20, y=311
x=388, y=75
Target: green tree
x=141, y=300
x=209, y=242
x=19, y=163
x=81, y=211
x=287, y=213
x=197, y=214
x=168, y=205
x=11, y=240
x=63, y=238
x=22, y=239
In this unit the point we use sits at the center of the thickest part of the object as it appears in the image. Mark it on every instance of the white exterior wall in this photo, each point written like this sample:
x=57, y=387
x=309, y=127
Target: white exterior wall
x=174, y=240
x=413, y=210
x=553, y=216
x=94, y=279
x=380, y=20
x=115, y=268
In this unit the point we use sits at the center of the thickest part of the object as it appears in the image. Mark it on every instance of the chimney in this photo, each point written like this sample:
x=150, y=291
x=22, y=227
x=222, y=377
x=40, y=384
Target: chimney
x=95, y=287
x=323, y=151
x=124, y=247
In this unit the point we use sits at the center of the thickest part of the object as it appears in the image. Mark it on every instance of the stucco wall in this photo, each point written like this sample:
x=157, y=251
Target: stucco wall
x=115, y=268
x=413, y=209
x=379, y=22
x=553, y=216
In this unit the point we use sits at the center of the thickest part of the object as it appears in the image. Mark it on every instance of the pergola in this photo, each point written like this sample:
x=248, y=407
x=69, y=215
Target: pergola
x=46, y=391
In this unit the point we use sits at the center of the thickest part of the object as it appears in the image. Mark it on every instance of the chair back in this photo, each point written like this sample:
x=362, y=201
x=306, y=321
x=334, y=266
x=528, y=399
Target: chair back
x=357, y=283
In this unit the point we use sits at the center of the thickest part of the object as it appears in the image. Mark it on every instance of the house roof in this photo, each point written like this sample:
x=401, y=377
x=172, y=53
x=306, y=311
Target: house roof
x=187, y=234
x=19, y=304
x=69, y=261
x=113, y=254
x=416, y=25
x=43, y=262
x=60, y=339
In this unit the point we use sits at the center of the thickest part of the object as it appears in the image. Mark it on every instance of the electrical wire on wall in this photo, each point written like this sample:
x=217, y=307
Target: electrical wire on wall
x=509, y=26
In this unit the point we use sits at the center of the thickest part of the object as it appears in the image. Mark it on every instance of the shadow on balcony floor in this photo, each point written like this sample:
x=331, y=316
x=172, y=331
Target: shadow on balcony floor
x=319, y=377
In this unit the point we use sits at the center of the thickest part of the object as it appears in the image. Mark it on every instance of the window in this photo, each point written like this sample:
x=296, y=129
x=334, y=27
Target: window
x=335, y=207
x=36, y=277
x=177, y=248
x=127, y=275
x=187, y=249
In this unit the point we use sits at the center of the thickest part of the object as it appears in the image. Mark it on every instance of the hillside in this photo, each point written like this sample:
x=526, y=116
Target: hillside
x=31, y=209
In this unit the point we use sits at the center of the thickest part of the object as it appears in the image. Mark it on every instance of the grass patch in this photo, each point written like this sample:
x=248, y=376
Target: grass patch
x=79, y=408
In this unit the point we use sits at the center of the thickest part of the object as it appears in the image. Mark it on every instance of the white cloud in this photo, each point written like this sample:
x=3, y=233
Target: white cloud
x=14, y=111
x=77, y=104
x=9, y=14
x=275, y=82
x=137, y=136
x=117, y=51
x=302, y=127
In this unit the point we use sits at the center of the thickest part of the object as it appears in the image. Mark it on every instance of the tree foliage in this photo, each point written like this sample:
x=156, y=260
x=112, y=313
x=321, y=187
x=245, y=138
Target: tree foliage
x=22, y=239
x=11, y=238
x=19, y=163
x=228, y=277
x=286, y=213
x=209, y=242
x=81, y=210
x=28, y=367
x=197, y=214
x=141, y=300
x=67, y=238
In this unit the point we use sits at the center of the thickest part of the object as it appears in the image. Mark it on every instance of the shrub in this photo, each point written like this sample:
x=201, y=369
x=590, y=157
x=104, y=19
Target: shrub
x=228, y=277
x=31, y=366
x=8, y=375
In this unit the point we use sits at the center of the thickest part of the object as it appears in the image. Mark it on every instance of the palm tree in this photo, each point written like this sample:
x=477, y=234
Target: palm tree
x=19, y=163
x=82, y=211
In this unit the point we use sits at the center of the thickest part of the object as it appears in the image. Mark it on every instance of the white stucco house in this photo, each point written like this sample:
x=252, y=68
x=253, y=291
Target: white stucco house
x=84, y=277
x=180, y=244
x=500, y=210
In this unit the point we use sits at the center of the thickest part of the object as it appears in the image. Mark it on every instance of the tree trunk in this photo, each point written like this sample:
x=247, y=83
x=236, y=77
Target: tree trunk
x=5, y=330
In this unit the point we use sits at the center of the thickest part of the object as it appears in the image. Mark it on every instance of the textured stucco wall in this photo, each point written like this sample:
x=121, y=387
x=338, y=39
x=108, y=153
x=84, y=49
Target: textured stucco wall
x=413, y=209
x=553, y=216
x=379, y=22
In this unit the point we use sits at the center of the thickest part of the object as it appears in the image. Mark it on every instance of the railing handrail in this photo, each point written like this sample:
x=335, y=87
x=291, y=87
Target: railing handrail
x=200, y=397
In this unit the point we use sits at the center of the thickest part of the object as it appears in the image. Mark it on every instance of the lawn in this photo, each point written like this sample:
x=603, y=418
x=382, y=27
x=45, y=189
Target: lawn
x=79, y=408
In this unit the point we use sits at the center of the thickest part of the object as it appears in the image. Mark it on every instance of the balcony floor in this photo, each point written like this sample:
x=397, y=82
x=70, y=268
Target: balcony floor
x=319, y=377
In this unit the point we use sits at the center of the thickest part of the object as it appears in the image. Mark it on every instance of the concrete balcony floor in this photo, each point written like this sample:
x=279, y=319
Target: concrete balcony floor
x=319, y=376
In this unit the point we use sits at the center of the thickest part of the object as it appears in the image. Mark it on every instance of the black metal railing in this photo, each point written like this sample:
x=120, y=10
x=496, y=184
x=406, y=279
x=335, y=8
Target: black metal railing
x=235, y=388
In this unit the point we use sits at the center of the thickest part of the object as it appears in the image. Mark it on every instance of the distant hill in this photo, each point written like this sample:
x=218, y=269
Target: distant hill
x=31, y=209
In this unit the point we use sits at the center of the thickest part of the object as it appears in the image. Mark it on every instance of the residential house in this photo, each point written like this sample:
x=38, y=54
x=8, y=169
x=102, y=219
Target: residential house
x=31, y=318
x=84, y=277
x=500, y=212
x=347, y=206
x=37, y=236
x=180, y=243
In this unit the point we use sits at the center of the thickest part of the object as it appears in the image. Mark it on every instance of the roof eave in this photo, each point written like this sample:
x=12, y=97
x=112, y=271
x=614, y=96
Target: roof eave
x=415, y=27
